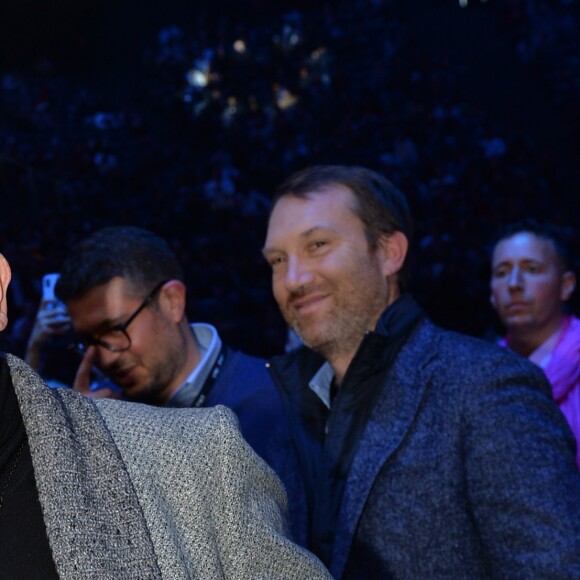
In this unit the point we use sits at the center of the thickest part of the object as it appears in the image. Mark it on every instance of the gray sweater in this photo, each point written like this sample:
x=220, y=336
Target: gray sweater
x=133, y=491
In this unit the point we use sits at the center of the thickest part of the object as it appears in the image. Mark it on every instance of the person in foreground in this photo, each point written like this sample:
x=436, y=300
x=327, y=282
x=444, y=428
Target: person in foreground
x=423, y=453
x=95, y=489
x=531, y=284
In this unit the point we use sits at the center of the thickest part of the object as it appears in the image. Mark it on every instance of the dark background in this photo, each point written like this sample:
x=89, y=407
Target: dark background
x=411, y=88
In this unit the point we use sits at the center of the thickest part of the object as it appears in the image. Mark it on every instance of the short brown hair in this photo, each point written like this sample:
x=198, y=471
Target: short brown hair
x=381, y=207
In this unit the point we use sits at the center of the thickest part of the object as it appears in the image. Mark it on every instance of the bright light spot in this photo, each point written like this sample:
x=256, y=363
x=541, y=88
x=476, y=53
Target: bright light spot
x=197, y=78
x=240, y=46
x=284, y=98
x=463, y=3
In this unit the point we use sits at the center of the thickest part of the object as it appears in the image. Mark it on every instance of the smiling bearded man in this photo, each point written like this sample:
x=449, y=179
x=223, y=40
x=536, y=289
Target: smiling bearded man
x=419, y=449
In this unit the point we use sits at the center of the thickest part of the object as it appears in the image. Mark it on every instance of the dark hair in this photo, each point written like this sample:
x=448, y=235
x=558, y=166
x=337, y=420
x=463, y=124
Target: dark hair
x=547, y=231
x=139, y=256
x=381, y=207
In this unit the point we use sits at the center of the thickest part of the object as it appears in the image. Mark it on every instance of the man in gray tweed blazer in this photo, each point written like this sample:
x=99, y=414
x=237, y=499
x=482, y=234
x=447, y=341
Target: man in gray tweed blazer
x=422, y=453
x=109, y=489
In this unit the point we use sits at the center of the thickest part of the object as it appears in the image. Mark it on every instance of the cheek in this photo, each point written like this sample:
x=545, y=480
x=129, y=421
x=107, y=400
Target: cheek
x=278, y=288
x=546, y=293
x=498, y=289
x=152, y=335
x=537, y=285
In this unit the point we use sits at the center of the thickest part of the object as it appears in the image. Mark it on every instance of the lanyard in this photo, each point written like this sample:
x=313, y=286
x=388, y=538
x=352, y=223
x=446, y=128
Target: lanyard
x=211, y=379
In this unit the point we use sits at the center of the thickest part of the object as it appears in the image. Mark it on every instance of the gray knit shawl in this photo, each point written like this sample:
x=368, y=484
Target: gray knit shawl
x=132, y=491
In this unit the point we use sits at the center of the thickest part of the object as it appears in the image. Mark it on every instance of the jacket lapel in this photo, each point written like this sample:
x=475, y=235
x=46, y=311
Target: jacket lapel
x=390, y=420
x=93, y=518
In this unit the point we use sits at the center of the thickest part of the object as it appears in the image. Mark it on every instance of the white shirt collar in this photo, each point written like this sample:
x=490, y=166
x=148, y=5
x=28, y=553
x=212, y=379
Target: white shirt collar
x=210, y=346
x=320, y=383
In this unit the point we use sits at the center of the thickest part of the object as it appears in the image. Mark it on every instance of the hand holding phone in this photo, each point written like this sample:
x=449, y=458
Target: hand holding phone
x=52, y=318
x=53, y=315
x=49, y=299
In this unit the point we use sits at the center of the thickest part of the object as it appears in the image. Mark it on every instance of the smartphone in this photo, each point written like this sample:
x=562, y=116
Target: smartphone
x=49, y=299
x=48, y=283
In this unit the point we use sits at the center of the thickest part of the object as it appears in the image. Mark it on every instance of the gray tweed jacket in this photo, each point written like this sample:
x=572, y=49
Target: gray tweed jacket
x=133, y=491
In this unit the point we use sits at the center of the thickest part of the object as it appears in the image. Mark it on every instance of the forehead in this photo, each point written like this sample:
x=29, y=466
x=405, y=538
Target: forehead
x=525, y=246
x=103, y=303
x=332, y=208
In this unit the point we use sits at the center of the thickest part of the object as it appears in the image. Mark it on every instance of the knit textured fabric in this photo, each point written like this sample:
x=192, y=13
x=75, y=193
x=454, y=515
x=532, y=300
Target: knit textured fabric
x=133, y=491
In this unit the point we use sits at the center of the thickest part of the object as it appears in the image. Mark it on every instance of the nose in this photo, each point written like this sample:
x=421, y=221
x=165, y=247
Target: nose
x=515, y=279
x=103, y=357
x=298, y=274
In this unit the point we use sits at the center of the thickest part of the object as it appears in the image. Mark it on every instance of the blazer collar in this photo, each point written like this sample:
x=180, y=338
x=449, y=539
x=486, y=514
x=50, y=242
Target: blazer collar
x=396, y=406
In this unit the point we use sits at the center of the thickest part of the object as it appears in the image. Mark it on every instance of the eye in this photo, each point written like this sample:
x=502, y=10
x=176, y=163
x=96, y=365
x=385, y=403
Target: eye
x=318, y=244
x=533, y=269
x=500, y=272
x=276, y=261
x=113, y=332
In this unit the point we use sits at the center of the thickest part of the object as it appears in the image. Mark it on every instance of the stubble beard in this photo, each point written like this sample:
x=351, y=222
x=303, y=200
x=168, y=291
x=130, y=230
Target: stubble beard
x=339, y=331
x=160, y=375
x=336, y=335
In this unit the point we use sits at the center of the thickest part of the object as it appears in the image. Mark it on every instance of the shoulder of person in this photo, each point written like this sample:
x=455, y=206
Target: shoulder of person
x=161, y=424
x=469, y=362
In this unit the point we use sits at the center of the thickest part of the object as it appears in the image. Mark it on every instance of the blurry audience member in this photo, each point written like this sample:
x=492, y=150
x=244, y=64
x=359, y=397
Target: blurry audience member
x=47, y=323
x=51, y=326
x=424, y=453
x=107, y=489
x=48, y=338
x=531, y=283
x=124, y=290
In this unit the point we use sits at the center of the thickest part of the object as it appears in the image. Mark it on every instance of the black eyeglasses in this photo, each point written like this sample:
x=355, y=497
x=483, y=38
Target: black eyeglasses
x=116, y=338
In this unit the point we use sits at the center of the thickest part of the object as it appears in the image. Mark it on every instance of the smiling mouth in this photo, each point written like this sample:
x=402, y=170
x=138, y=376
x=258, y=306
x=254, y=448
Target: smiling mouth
x=307, y=303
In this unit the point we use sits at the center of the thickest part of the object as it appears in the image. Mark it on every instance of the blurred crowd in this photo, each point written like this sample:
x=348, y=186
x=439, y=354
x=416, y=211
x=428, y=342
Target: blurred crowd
x=546, y=36
x=223, y=112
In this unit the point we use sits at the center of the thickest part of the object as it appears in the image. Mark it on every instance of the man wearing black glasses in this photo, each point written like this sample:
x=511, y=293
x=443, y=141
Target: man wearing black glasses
x=126, y=298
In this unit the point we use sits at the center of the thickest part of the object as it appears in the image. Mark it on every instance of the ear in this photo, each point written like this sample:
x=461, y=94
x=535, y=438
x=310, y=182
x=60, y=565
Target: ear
x=172, y=299
x=5, y=276
x=568, y=284
x=492, y=300
x=393, y=251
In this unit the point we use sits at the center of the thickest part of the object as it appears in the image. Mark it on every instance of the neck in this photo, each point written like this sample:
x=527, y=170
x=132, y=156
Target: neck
x=191, y=357
x=340, y=356
x=339, y=366
x=526, y=341
x=340, y=359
